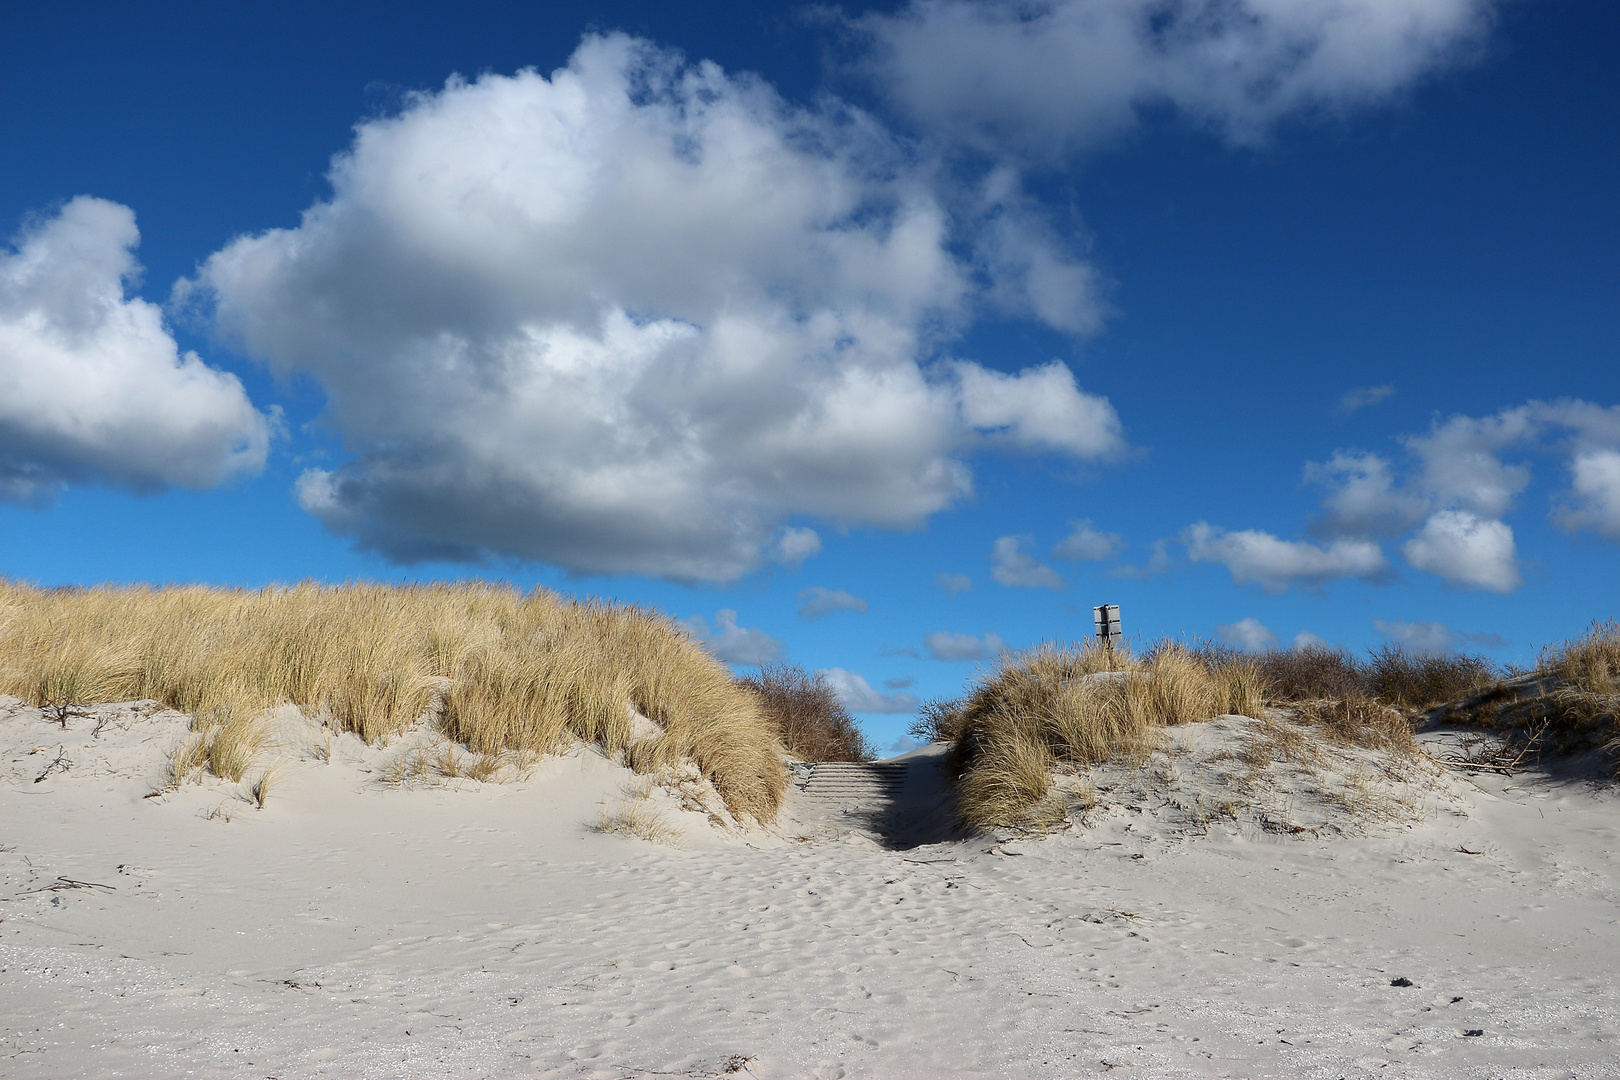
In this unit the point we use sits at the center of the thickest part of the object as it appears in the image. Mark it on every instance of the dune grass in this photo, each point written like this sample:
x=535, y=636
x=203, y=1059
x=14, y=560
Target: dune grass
x=808, y=715
x=1078, y=705
x=1570, y=704
x=496, y=668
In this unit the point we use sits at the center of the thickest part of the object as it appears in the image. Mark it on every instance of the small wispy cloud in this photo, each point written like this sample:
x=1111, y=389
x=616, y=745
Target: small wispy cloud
x=1087, y=544
x=1249, y=634
x=1259, y=558
x=1433, y=638
x=860, y=696
x=819, y=601
x=733, y=644
x=1360, y=397
x=1159, y=562
x=953, y=583
x=794, y=545
x=943, y=645
x=1010, y=565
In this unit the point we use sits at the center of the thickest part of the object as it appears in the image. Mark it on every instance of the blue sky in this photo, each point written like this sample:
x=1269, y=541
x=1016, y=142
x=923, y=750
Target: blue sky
x=873, y=340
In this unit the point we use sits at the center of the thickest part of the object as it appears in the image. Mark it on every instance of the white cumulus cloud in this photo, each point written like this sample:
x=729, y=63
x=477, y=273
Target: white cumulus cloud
x=944, y=645
x=1466, y=475
x=1594, y=496
x=858, y=695
x=1364, y=498
x=92, y=385
x=1259, y=558
x=746, y=646
x=1040, y=409
x=1045, y=77
x=1248, y=634
x=1466, y=550
x=630, y=318
x=1011, y=565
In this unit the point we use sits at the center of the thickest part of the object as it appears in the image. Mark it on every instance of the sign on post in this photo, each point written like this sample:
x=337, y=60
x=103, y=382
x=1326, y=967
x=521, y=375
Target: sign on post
x=1107, y=619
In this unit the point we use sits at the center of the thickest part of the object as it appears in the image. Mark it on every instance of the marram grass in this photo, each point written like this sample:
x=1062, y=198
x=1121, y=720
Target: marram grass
x=1082, y=705
x=500, y=670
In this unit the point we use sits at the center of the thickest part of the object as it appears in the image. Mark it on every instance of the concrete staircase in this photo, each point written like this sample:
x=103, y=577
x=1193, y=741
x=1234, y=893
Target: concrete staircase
x=860, y=786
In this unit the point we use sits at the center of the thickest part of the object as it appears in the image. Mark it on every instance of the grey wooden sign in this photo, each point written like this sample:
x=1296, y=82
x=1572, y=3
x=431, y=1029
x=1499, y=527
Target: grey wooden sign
x=1106, y=617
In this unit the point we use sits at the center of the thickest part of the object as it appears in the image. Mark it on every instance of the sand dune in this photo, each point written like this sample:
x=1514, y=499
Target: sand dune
x=357, y=926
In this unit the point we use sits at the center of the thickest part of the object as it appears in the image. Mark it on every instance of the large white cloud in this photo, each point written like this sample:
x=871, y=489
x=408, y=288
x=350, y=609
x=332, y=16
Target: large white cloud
x=1049, y=76
x=1466, y=550
x=1259, y=558
x=92, y=385
x=629, y=319
x=1594, y=497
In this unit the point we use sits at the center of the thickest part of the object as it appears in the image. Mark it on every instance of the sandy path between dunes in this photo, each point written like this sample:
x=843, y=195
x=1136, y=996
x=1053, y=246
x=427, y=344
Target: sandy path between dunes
x=349, y=930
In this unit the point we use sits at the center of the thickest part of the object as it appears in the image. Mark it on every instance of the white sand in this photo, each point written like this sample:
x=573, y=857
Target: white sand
x=350, y=929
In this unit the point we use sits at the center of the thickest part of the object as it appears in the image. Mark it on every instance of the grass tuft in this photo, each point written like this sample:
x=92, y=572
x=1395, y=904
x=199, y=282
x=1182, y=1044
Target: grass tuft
x=637, y=817
x=259, y=791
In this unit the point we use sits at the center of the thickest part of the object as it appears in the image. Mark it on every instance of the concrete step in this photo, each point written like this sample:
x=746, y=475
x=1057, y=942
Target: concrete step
x=846, y=781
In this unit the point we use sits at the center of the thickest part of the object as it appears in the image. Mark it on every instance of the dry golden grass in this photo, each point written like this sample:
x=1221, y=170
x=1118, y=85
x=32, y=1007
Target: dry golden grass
x=637, y=817
x=1362, y=722
x=1080, y=705
x=503, y=670
x=1591, y=662
x=260, y=789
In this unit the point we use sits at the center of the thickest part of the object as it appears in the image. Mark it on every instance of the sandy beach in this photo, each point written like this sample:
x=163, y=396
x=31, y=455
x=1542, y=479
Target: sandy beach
x=355, y=927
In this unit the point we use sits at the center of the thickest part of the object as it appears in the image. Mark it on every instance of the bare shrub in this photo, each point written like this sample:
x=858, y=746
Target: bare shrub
x=809, y=718
x=939, y=720
x=1311, y=673
x=501, y=669
x=1414, y=680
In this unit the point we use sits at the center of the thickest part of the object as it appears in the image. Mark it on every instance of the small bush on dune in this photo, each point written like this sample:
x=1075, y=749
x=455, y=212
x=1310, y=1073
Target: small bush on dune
x=1073, y=704
x=808, y=716
x=501, y=670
